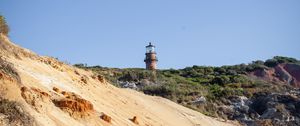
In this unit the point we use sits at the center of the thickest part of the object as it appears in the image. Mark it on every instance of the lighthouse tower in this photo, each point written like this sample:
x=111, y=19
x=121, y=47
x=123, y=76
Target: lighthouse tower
x=151, y=58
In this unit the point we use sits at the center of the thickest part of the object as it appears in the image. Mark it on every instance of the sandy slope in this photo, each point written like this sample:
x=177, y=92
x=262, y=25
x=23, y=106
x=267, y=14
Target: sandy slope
x=121, y=105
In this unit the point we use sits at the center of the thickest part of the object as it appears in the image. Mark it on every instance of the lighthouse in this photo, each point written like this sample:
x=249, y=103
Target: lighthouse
x=151, y=58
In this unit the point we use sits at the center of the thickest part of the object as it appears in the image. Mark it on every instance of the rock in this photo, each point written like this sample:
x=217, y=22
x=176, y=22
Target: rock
x=127, y=84
x=76, y=72
x=265, y=122
x=36, y=98
x=84, y=79
x=54, y=63
x=241, y=103
x=101, y=79
x=74, y=105
x=56, y=89
x=78, y=105
x=270, y=112
x=64, y=93
x=199, y=100
x=263, y=109
x=1, y=75
x=135, y=120
x=280, y=107
x=106, y=118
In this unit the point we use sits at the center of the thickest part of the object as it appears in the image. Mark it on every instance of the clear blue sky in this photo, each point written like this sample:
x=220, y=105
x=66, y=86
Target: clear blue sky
x=188, y=32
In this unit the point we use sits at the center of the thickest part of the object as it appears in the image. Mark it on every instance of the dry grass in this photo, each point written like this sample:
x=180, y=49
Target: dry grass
x=15, y=113
x=9, y=69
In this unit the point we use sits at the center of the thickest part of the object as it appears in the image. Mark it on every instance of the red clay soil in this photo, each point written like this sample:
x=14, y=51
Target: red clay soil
x=294, y=70
x=283, y=73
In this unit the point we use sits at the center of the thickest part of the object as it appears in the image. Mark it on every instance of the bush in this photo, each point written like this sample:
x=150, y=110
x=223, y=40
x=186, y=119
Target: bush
x=158, y=90
x=221, y=80
x=4, y=29
x=137, y=75
x=216, y=91
x=9, y=69
x=271, y=63
x=281, y=59
x=80, y=65
x=256, y=65
x=14, y=112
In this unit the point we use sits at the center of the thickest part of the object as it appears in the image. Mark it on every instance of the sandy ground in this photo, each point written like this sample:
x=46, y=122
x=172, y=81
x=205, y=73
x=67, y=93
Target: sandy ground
x=120, y=104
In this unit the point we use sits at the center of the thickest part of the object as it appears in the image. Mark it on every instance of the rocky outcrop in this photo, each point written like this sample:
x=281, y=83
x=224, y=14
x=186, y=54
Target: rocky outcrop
x=281, y=108
x=286, y=73
x=36, y=98
x=52, y=62
x=131, y=85
x=294, y=71
x=278, y=109
x=74, y=105
x=135, y=85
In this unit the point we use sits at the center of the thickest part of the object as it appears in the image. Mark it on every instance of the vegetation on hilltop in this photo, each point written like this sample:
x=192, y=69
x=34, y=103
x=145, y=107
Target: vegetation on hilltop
x=185, y=86
x=4, y=29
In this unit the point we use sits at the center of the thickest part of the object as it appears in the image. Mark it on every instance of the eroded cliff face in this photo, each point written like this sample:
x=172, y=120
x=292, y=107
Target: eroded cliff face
x=43, y=91
x=285, y=73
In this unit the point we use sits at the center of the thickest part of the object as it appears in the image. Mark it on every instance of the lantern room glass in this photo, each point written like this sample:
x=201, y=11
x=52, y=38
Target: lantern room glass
x=150, y=49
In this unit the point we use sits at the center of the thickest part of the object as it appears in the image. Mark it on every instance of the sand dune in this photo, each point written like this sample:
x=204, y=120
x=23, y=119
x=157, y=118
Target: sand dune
x=56, y=94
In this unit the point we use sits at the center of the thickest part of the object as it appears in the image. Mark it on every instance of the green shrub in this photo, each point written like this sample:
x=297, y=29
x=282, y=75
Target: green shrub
x=281, y=59
x=185, y=85
x=216, y=91
x=256, y=65
x=271, y=62
x=80, y=65
x=221, y=80
x=159, y=90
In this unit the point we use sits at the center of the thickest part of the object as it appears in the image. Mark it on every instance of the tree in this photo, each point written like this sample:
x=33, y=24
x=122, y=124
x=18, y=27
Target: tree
x=4, y=29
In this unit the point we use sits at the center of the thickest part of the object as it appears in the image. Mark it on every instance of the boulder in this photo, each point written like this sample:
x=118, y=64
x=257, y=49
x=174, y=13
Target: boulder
x=199, y=100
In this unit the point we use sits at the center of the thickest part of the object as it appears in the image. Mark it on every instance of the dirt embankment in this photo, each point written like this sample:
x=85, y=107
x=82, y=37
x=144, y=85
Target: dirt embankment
x=286, y=73
x=46, y=92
